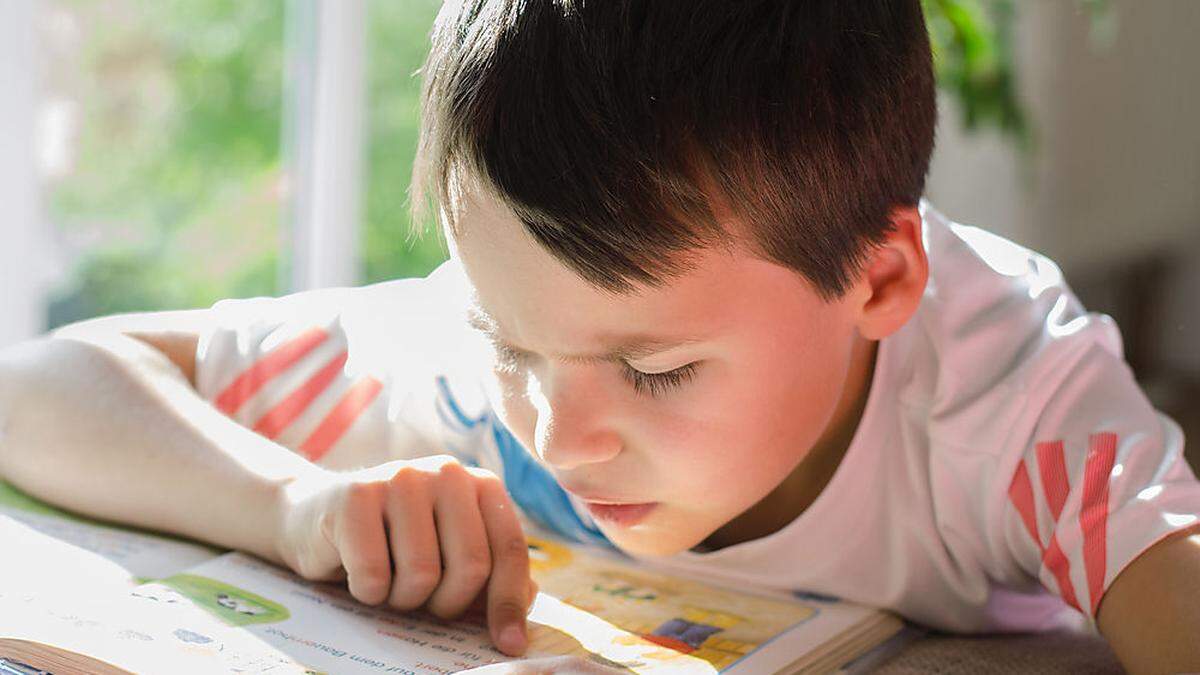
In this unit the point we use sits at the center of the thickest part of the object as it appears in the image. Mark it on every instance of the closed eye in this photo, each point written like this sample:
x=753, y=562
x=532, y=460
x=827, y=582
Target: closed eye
x=657, y=384
x=510, y=360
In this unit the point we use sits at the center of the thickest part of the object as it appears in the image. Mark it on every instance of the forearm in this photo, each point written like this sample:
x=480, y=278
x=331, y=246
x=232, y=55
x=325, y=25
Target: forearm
x=107, y=426
x=1151, y=613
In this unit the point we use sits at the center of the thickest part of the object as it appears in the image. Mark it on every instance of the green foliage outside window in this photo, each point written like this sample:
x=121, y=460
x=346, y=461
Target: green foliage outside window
x=173, y=197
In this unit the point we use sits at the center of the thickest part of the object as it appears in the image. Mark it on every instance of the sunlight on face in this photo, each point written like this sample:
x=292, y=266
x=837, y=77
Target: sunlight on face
x=671, y=410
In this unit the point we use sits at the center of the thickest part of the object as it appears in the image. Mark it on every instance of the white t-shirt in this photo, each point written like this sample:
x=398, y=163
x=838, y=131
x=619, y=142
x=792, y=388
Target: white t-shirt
x=1006, y=468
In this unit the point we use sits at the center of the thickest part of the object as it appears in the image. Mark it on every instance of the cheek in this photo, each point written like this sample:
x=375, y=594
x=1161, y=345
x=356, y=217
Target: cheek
x=757, y=419
x=802, y=391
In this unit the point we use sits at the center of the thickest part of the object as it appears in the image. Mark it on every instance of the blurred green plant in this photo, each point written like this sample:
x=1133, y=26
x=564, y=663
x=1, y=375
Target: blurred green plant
x=174, y=199
x=973, y=57
x=397, y=40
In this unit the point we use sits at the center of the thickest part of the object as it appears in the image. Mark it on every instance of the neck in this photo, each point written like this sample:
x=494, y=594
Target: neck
x=804, y=484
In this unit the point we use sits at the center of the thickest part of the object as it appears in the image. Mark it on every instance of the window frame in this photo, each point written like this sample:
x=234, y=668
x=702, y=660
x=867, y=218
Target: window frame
x=322, y=145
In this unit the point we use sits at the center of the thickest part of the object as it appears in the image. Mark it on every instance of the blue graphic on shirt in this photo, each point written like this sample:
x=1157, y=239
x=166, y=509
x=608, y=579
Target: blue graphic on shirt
x=529, y=484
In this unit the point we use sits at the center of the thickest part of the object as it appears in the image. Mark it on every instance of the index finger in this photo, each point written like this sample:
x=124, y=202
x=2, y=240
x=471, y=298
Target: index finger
x=508, y=587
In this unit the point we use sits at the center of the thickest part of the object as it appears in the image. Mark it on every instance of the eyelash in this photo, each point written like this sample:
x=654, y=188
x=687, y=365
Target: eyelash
x=656, y=384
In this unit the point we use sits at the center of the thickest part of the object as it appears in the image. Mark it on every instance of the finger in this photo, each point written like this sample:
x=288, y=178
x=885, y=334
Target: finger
x=362, y=543
x=412, y=539
x=508, y=587
x=477, y=610
x=466, y=558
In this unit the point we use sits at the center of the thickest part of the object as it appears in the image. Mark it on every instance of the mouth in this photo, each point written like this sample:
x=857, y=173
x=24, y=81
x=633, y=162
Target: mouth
x=621, y=515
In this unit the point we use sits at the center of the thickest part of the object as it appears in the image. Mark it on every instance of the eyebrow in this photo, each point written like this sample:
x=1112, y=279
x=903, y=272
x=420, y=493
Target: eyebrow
x=624, y=348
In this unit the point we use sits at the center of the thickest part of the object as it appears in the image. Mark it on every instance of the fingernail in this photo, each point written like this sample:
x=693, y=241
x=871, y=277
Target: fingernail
x=512, y=639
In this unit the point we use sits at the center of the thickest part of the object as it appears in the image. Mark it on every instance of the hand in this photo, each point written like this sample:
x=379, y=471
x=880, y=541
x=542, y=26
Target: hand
x=427, y=532
x=557, y=665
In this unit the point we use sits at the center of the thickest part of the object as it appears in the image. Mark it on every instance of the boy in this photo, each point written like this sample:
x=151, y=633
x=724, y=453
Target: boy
x=723, y=335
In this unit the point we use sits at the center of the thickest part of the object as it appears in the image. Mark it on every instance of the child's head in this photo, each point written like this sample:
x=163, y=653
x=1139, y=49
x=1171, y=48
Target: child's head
x=719, y=194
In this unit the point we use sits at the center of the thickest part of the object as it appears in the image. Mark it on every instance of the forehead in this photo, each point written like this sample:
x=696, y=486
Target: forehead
x=531, y=298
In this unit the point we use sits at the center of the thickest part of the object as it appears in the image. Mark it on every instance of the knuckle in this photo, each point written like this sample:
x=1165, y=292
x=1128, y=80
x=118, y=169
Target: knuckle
x=434, y=463
x=372, y=586
x=359, y=495
x=454, y=482
x=421, y=576
x=452, y=467
x=407, y=479
x=512, y=548
x=493, y=494
x=444, y=458
x=485, y=477
x=375, y=576
x=444, y=611
x=476, y=566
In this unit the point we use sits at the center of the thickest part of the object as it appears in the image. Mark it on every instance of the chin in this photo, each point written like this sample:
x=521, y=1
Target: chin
x=646, y=541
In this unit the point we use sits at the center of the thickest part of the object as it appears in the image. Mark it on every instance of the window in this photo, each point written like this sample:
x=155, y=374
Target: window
x=161, y=150
x=397, y=41
x=168, y=149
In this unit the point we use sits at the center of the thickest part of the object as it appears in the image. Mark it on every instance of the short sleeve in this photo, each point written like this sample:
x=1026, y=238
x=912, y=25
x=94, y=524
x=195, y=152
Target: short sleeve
x=1101, y=478
x=361, y=376
x=345, y=377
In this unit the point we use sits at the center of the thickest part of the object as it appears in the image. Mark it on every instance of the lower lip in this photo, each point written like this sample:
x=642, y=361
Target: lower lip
x=622, y=515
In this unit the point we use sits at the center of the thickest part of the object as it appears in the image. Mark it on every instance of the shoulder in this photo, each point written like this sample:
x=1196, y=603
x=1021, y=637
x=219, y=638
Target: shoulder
x=289, y=367
x=1007, y=353
x=1000, y=318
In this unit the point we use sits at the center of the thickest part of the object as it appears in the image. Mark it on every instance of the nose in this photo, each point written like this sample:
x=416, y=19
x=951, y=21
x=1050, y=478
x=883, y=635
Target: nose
x=573, y=416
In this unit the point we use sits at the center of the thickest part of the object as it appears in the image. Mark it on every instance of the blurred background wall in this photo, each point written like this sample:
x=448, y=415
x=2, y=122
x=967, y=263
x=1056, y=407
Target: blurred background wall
x=167, y=154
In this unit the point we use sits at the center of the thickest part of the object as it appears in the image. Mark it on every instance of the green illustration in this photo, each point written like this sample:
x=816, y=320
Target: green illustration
x=233, y=605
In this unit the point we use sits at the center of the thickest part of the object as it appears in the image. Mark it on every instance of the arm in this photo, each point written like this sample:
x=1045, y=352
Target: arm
x=98, y=405
x=1151, y=613
x=104, y=418
x=1103, y=510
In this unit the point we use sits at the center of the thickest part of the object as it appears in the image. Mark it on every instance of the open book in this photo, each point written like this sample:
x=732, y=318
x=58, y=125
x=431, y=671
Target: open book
x=81, y=596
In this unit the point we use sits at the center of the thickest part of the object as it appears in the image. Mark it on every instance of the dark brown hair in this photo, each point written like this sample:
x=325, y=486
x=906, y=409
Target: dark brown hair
x=612, y=128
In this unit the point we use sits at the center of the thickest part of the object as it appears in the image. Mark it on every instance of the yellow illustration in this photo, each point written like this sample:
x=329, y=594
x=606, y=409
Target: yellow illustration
x=649, y=622
x=547, y=555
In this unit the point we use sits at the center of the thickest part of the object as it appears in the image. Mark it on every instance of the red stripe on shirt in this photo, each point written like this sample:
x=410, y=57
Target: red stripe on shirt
x=1020, y=492
x=1052, y=468
x=347, y=410
x=286, y=411
x=1056, y=561
x=1093, y=515
x=267, y=368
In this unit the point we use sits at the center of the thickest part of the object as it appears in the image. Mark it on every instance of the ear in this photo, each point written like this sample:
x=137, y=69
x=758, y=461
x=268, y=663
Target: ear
x=892, y=282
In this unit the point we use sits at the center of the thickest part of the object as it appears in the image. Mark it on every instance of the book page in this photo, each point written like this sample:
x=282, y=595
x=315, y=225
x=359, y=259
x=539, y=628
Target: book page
x=591, y=605
x=594, y=604
x=141, y=554
x=715, y=625
x=322, y=626
x=732, y=631
x=78, y=601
